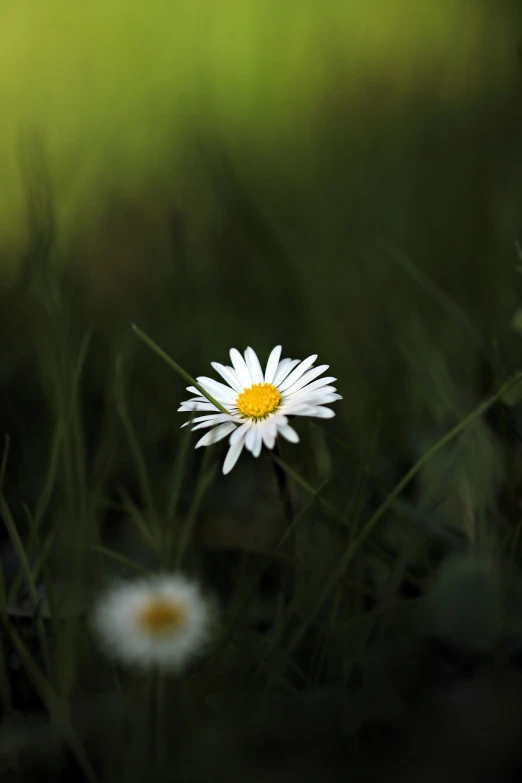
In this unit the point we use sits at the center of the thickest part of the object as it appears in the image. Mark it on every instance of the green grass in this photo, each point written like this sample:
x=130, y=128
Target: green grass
x=318, y=635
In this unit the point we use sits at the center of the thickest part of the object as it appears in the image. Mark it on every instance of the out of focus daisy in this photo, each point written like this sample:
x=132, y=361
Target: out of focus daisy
x=161, y=621
x=259, y=403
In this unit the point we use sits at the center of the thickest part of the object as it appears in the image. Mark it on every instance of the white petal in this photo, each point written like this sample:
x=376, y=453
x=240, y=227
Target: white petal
x=212, y=422
x=229, y=375
x=253, y=439
x=241, y=368
x=272, y=363
x=254, y=368
x=197, y=406
x=233, y=456
x=289, y=433
x=269, y=439
x=215, y=417
x=277, y=420
x=258, y=445
x=323, y=399
x=271, y=425
x=298, y=372
x=240, y=432
x=318, y=384
x=216, y=434
x=322, y=413
x=304, y=379
x=297, y=409
x=217, y=390
x=285, y=366
x=220, y=391
x=250, y=438
x=304, y=394
x=313, y=410
x=308, y=401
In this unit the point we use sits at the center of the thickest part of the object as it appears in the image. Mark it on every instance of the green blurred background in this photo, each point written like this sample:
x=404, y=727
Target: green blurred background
x=249, y=173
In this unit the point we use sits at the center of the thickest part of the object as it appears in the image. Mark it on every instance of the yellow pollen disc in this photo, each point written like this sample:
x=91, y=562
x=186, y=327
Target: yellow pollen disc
x=259, y=400
x=162, y=616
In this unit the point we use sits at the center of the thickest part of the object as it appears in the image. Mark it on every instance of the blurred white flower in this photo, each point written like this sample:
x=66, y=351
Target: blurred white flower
x=259, y=403
x=161, y=621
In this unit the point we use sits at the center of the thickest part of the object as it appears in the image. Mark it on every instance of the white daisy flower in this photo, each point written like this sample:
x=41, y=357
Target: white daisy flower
x=161, y=621
x=259, y=403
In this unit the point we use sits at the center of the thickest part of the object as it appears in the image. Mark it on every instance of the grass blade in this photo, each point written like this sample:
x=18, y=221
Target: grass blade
x=175, y=366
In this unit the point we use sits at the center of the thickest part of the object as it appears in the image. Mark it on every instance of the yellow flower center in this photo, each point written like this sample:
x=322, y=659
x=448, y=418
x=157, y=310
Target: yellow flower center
x=259, y=400
x=162, y=616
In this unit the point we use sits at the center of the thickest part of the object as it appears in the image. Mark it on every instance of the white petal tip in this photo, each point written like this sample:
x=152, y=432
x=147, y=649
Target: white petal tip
x=289, y=434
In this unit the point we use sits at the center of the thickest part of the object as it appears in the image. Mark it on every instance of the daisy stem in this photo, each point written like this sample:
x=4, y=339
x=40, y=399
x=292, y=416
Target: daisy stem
x=288, y=510
x=157, y=723
x=175, y=366
x=283, y=487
